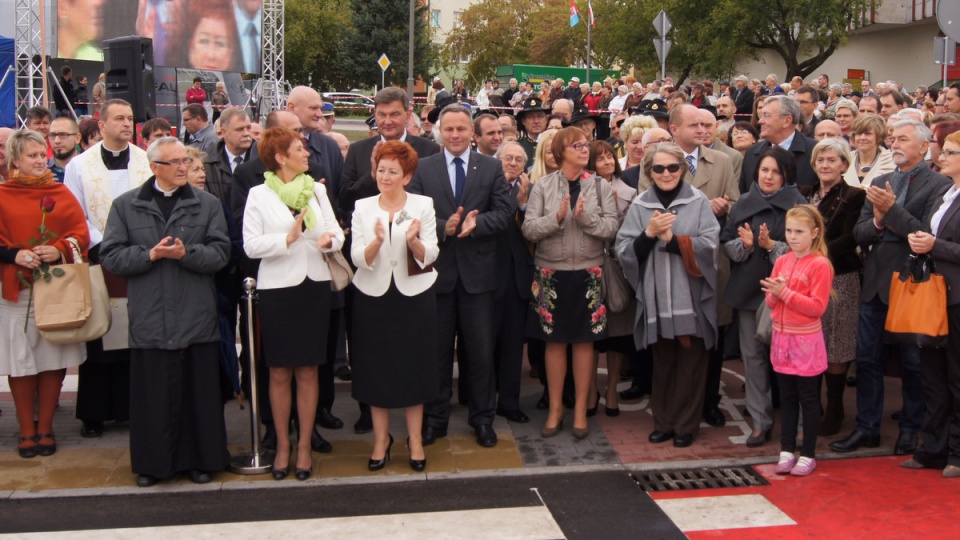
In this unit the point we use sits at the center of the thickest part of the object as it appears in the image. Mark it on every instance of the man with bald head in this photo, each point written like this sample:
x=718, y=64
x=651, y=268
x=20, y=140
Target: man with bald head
x=4, y=168
x=306, y=104
x=726, y=109
x=564, y=109
x=827, y=129
x=711, y=131
x=342, y=141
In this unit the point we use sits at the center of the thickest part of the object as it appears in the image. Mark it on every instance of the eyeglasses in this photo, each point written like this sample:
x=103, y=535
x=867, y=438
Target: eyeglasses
x=671, y=168
x=185, y=119
x=513, y=159
x=62, y=135
x=176, y=163
x=580, y=147
x=949, y=153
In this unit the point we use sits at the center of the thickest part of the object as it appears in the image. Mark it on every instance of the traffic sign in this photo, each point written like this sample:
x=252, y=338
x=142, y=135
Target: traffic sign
x=383, y=62
x=662, y=24
x=948, y=16
x=663, y=48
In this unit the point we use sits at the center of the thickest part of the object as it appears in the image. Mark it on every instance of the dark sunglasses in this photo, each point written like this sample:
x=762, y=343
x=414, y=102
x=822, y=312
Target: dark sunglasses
x=673, y=167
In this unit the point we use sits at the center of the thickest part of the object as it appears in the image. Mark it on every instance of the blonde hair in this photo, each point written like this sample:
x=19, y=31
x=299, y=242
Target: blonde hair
x=809, y=214
x=544, y=142
x=636, y=126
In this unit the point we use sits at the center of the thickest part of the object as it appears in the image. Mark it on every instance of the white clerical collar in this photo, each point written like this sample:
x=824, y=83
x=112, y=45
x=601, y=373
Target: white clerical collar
x=170, y=193
x=116, y=153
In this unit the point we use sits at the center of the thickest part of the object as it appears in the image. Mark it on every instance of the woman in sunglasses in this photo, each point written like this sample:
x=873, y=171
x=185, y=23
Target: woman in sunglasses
x=668, y=248
x=571, y=216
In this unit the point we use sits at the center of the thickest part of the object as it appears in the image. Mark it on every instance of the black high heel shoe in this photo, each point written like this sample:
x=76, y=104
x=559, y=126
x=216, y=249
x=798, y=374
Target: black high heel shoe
x=280, y=474
x=303, y=474
x=418, y=464
x=592, y=411
x=377, y=464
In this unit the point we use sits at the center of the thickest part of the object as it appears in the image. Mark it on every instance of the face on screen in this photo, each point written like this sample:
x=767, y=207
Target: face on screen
x=210, y=46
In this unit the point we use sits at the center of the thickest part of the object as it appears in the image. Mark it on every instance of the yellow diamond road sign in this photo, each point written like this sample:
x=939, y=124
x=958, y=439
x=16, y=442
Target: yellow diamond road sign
x=384, y=62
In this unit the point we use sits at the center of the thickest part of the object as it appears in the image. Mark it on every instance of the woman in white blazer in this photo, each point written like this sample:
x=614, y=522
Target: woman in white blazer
x=288, y=224
x=393, y=346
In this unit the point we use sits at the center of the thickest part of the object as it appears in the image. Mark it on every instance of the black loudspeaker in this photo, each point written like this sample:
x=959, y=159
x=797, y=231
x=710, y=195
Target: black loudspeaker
x=128, y=63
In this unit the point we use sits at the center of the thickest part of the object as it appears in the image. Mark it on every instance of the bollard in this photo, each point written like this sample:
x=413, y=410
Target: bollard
x=258, y=460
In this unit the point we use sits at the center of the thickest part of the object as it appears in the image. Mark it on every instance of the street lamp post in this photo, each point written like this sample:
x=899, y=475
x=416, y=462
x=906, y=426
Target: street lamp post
x=410, y=57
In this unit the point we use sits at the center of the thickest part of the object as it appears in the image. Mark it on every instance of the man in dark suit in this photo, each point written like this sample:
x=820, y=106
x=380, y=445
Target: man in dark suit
x=895, y=207
x=809, y=99
x=514, y=277
x=236, y=147
x=472, y=203
x=743, y=96
x=246, y=176
x=391, y=116
x=778, y=126
x=306, y=103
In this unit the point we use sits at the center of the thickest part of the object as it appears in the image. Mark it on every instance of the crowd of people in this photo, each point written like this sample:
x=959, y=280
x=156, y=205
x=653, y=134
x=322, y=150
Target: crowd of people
x=754, y=221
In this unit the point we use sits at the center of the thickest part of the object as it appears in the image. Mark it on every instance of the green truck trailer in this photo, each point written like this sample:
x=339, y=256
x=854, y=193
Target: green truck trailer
x=538, y=74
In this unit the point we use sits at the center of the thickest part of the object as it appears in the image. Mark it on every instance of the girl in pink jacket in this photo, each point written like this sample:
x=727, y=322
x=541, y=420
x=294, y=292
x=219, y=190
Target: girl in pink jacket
x=797, y=293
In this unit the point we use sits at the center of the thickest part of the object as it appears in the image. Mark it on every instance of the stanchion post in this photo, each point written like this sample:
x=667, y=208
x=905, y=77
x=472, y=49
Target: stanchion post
x=258, y=460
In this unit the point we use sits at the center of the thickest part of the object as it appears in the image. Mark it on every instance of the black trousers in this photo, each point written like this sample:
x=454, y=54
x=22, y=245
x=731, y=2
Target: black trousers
x=940, y=371
x=714, y=371
x=472, y=316
x=798, y=393
x=512, y=311
x=103, y=385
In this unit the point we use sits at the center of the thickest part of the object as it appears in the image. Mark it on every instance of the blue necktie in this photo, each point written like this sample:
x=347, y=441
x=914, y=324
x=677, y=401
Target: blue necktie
x=461, y=179
x=692, y=163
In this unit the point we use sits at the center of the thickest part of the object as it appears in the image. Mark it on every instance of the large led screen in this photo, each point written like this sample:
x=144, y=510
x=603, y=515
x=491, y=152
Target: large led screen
x=215, y=35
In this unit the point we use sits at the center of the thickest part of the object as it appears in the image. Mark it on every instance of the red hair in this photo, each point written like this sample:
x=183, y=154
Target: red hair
x=275, y=141
x=405, y=155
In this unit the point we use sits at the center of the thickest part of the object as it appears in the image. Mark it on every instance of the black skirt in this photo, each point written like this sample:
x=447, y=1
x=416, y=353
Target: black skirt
x=393, y=348
x=567, y=306
x=294, y=323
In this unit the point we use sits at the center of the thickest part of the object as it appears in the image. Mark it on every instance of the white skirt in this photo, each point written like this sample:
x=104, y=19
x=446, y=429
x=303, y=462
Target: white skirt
x=24, y=353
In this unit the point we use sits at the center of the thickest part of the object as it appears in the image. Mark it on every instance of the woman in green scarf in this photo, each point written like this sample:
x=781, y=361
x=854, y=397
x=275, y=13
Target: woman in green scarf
x=289, y=224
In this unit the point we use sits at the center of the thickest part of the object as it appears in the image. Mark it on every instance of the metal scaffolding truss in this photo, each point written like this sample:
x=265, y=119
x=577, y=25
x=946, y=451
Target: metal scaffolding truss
x=272, y=87
x=29, y=56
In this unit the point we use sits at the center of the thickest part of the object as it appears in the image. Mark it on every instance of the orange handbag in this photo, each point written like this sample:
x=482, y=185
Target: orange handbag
x=918, y=305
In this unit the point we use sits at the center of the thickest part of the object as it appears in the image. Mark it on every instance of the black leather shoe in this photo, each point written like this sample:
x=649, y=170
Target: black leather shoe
x=486, y=436
x=31, y=451
x=634, y=392
x=682, y=440
x=854, y=441
x=302, y=474
x=660, y=436
x=145, y=480
x=318, y=443
x=514, y=416
x=544, y=402
x=269, y=441
x=344, y=374
x=200, y=477
x=431, y=434
x=906, y=444
x=377, y=464
x=91, y=430
x=418, y=465
x=364, y=424
x=714, y=417
x=327, y=420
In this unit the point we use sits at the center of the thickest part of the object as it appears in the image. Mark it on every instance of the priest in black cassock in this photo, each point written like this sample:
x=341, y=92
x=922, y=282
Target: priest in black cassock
x=169, y=239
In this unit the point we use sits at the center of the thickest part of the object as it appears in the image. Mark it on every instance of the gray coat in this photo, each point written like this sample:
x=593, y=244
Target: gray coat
x=172, y=304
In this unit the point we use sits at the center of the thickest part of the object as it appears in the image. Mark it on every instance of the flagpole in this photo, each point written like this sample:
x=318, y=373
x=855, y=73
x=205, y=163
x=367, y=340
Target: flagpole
x=589, y=50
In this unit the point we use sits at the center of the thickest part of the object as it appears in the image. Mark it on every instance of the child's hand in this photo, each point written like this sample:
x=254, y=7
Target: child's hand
x=773, y=285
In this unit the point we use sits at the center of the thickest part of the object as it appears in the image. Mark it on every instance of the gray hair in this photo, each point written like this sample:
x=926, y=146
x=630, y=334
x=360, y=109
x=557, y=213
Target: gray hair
x=229, y=114
x=844, y=103
x=510, y=144
x=562, y=100
x=836, y=88
x=622, y=89
x=17, y=143
x=906, y=112
x=153, y=151
x=669, y=148
x=838, y=146
x=921, y=129
x=788, y=107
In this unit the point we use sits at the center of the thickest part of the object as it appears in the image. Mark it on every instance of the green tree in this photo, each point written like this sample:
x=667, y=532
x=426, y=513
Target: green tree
x=382, y=27
x=311, y=41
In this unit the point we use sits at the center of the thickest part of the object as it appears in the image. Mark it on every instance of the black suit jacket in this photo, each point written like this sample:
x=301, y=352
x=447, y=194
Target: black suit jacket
x=889, y=249
x=219, y=176
x=802, y=149
x=631, y=177
x=248, y=175
x=946, y=249
x=325, y=151
x=357, y=182
x=743, y=99
x=472, y=259
x=514, y=261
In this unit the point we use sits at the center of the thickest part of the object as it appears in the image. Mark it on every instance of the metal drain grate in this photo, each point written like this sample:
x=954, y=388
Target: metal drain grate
x=678, y=480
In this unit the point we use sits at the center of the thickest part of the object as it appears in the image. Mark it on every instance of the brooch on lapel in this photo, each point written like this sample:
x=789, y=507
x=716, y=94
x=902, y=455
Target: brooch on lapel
x=401, y=217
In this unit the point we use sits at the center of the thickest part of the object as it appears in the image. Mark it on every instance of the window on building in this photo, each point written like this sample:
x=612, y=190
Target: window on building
x=457, y=17
x=435, y=18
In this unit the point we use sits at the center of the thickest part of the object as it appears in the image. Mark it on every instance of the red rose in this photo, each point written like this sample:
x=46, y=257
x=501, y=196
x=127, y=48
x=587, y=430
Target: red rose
x=47, y=204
